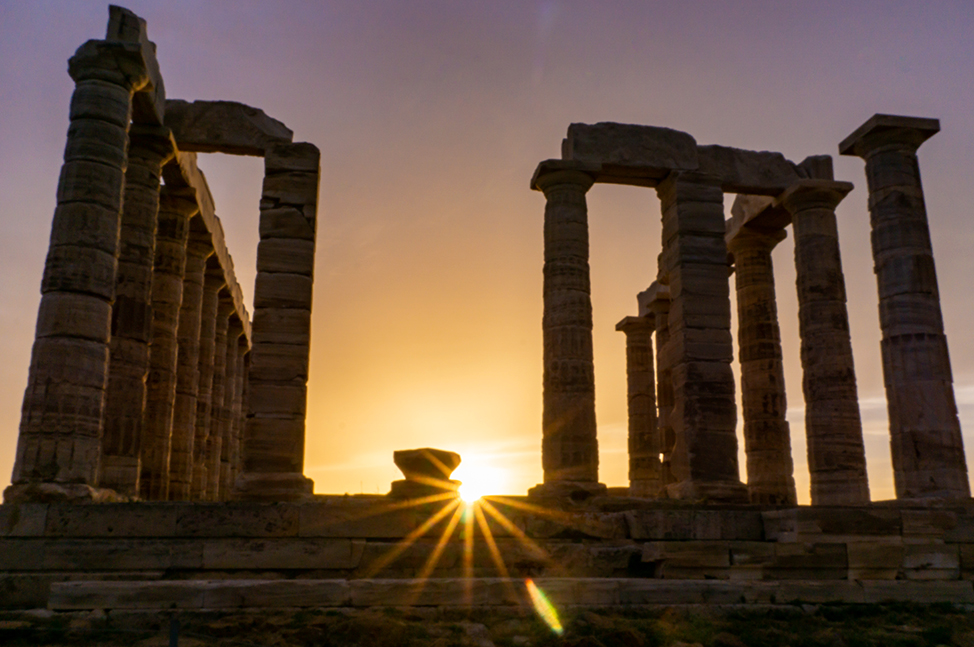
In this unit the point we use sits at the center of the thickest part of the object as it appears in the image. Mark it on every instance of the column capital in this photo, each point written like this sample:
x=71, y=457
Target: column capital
x=180, y=201
x=157, y=141
x=889, y=131
x=115, y=62
x=636, y=324
x=652, y=298
x=747, y=238
x=554, y=172
x=813, y=194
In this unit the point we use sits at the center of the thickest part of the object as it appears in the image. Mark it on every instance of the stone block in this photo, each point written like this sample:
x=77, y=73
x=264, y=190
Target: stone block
x=283, y=363
x=832, y=524
x=269, y=399
x=634, y=154
x=879, y=591
x=266, y=594
x=714, y=554
x=963, y=531
x=928, y=523
x=96, y=141
x=18, y=554
x=750, y=172
x=966, y=552
x=87, y=270
x=286, y=553
x=808, y=561
x=92, y=183
x=106, y=554
x=237, y=520
x=23, y=519
x=875, y=560
x=370, y=521
x=101, y=101
x=186, y=594
x=289, y=255
x=299, y=156
x=446, y=592
x=223, y=127
x=293, y=188
x=85, y=225
x=282, y=326
x=285, y=222
x=112, y=520
x=931, y=561
x=577, y=524
x=279, y=290
x=671, y=592
x=819, y=592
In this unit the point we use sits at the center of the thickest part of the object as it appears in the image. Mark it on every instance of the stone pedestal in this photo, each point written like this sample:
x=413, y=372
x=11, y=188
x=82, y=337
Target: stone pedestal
x=273, y=443
x=176, y=208
x=61, y=427
x=149, y=148
x=767, y=436
x=925, y=436
x=704, y=416
x=645, y=472
x=569, y=449
x=836, y=457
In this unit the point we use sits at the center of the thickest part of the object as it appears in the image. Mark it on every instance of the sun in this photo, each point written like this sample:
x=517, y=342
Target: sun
x=477, y=480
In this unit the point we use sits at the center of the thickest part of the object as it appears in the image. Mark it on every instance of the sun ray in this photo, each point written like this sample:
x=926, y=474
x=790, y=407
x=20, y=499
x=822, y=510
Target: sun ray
x=409, y=539
x=468, y=553
x=434, y=557
x=514, y=530
x=495, y=553
x=557, y=515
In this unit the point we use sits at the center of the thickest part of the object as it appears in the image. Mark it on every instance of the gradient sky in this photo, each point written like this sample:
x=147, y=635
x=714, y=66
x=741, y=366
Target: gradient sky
x=431, y=117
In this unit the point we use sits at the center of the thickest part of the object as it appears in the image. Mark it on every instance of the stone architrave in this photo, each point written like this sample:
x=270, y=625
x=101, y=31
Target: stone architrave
x=213, y=282
x=704, y=416
x=645, y=473
x=59, y=446
x=767, y=436
x=655, y=302
x=198, y=250
x=569, y=450
x=925, y=435
x=149, y=148
x=833, y=427
x=176, y=208
x=218, y=410
x=231, y=388
x=273, y=443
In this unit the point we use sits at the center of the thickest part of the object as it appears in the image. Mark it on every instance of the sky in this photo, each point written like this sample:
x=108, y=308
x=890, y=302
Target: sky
x=431, y=117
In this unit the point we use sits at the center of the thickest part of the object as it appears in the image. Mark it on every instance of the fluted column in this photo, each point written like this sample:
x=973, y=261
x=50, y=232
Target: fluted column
x=239, y=414
x=704, y=415
x=925, y=435
x=836, y=457
x=767, y=436
x=176, y=208
x=149, y=148
x=231, y=391
x=645, y=475
x=656, y=302
x=213, y=282
x=273, y=444
x=59, y=446
x=218, y=410
x=198, y=250
x=569, y=446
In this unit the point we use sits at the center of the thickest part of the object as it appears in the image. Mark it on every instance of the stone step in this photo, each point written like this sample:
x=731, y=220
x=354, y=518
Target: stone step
x=485, y=592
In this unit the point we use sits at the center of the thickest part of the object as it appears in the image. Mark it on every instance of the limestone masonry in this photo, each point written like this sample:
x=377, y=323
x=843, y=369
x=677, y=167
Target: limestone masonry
x=159, y=464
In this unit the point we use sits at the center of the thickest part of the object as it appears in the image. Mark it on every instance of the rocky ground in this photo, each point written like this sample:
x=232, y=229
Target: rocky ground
x=891, y=625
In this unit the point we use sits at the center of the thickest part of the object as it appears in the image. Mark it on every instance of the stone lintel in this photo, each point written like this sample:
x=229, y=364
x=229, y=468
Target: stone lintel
x=757, y=212
x=182, y=172
x=649, y=298
x=915, y=129
x=831, y=192
x=224, y=127
x=549, y=167
x=630, y=154
x=635, y=323
x=148, y=104
x=744, y=171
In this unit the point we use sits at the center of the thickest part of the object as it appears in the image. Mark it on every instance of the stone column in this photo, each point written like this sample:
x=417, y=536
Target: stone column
x=925, y=436
x=704, y=415
x=645, y=475
x=198, y=250
x=655, y=303
x=213, y=282
x=176, y=208
x=59, y=446
x=836, y=457
x=149, y=148
x=239, y=413
x=767, y=436
x=569, y=450
x=218, y=410
x=231, y=390
x=273, y=444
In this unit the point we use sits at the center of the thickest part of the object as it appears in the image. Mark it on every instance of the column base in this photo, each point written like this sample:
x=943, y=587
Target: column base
x=61, y=493
x=574, y=490
x=272, y=486
x=716, y=491
x=406, y=489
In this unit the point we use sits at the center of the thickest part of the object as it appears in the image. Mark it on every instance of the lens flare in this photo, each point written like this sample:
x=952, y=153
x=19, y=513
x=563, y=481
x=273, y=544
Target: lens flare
x=544, y=607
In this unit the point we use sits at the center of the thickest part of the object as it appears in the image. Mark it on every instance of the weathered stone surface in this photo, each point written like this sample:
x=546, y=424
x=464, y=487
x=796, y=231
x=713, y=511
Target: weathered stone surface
x=426, y=462
x=645, y=469
x=925, y=592
x=114, y=520
x=880, y=559
x=282, y=553
x=372, y=521
x=23, y=519
x=223, y=127
x=743, y=171
x=630, y=154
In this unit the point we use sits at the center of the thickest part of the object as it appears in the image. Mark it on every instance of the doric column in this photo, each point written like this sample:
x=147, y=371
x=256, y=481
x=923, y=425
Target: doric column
x=273, y=444
x=213, y=282
x=218, y=409
x=230, y=396
x=645, y=475
x=836, y=458
x=61, y=426
x=767, y=437
x=655, y=302
x=704, y=415
x=925, y=436
x=176, y=208
x=238, y=421
x=198, y=250
x=149, y=148
x=569, y=449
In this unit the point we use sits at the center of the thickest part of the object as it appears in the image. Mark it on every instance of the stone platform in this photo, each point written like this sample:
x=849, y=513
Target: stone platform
x=364, y=550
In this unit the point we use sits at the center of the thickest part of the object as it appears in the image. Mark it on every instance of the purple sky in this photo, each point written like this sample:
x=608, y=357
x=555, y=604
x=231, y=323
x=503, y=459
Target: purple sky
x=431, y=117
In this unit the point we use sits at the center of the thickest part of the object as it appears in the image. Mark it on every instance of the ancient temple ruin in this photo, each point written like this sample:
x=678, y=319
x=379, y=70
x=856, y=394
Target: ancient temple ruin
x=147, y=378
x=160, y=457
